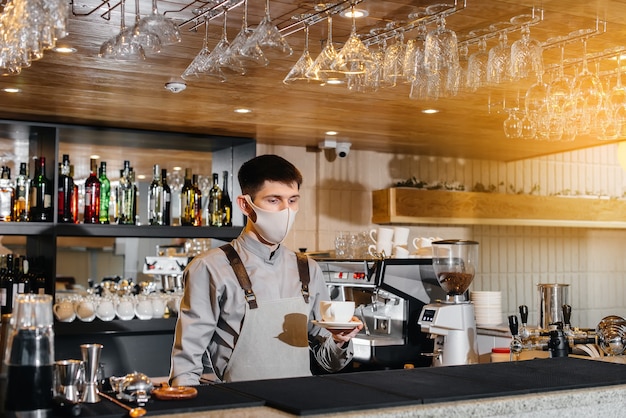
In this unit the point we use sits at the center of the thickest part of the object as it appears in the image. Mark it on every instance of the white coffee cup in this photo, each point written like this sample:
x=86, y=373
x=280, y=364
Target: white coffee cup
x=381, y=249
x=400, y=252
x=381, y=235
x=422, y=242
x=337, y=311
x=64, y=311
x=400, y=235
x=143, y=308
x=158, y=306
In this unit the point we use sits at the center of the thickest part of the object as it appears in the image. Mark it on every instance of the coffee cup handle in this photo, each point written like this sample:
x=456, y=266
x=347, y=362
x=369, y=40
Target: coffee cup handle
x=371, y=250
x=373, y=235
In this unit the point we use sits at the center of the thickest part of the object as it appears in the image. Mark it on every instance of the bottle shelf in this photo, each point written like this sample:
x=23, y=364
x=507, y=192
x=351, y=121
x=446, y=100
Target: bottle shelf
x=122, y=231
x=415, y=206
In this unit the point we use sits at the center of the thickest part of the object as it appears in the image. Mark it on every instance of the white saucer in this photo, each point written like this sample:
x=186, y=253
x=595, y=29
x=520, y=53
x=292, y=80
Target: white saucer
x=336, y=325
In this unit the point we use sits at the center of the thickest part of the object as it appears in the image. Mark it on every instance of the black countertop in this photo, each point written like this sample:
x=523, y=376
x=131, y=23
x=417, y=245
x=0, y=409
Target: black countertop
x=380, y=389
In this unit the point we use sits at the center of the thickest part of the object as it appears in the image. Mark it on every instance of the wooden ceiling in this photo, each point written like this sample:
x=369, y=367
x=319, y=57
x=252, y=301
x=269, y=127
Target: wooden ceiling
x=85, y=89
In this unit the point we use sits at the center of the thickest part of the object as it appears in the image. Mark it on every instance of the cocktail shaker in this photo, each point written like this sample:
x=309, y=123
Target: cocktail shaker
x=30, y=358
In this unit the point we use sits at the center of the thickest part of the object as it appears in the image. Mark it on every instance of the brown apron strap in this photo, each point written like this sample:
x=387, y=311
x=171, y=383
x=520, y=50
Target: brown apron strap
x=241, y=273
x=303, y=271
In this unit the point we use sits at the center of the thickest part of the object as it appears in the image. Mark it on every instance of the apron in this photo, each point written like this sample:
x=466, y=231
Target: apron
x=273, y=342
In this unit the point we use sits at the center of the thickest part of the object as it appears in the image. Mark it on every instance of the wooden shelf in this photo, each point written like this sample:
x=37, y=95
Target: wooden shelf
x=416, y=206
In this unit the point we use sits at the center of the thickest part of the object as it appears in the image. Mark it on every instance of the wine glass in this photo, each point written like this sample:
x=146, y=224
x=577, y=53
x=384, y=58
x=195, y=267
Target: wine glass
x=526, y=56
x=560, y=89
x=267, y=36
x=441, y=59
x=321, y=70
x=476, y=75
x=298, y=71
x=354, y=57
x=202, y=63
x=166, y=29
x=149, y=41
x=222, y=52
x=393, y=62
x=253, y=55
x=414, y=70
x=123, y=46
x=499, y=60
x=512, y=124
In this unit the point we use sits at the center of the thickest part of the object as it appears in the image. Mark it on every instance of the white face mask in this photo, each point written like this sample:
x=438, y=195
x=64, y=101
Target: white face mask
x=273, y=227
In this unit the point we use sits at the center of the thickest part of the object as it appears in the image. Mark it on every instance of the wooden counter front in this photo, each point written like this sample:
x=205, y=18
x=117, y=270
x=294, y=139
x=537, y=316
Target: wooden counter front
x=416, y=206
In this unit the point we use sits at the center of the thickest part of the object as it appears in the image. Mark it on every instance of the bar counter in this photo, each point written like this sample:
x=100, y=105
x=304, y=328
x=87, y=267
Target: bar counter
x=542, y=387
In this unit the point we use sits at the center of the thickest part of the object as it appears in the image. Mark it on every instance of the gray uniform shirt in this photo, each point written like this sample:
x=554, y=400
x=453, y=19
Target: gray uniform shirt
x=213, y=307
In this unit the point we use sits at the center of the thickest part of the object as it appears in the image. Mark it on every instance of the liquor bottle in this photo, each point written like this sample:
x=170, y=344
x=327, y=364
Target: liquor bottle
x=23, y=278
x=75, y=209
x=105, y=193
x=41, y=194
x=21, y=210
x=66, y=192
x=92, y=195
x=135, y=196
x=187, y=203
x=215, y=201
x=227, y=205
x=125, y=197
x=6, y=286
x=7, y=195
x=155, y=198
x=167, y=198
x=197, y=202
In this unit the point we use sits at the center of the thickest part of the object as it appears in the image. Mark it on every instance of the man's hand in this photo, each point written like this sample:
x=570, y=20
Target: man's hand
x=343, y=336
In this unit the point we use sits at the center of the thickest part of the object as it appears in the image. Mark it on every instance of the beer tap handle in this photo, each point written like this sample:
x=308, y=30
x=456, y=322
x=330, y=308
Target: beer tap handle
x=513, y=325
x=523, y=313
x=567, y=314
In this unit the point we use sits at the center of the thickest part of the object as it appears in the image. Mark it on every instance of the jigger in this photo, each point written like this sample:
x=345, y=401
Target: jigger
x=91, y=360
x=67, y=375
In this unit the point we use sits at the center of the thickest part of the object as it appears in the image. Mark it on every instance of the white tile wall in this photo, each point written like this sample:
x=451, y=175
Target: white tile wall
x=337, y=196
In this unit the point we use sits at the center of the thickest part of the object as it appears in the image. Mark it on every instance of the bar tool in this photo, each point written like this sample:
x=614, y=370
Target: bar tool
x=91, y=360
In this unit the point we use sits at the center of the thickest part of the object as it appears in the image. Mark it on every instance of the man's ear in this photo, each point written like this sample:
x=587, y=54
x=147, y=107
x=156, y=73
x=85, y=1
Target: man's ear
x=245, y=208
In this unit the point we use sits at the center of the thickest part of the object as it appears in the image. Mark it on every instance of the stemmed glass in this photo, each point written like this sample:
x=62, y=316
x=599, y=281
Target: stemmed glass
x=415, y=71
x=393, y=62
x=499, y=60
x=150, y=41
x=223, y=54
x=123, y=46
x=166, y=29
x=526, y=56
x=512, y=124
x=477, y=67
x=354, y=57
x=617, y=99
x=267, y=36
x=298, y=71
x=560, y=89
x=203, y=64
x=441, y=59
x=321, y=70
x=253, y=55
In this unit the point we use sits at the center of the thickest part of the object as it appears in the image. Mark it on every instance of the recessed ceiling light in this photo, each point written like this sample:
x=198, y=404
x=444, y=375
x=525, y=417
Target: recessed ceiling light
x=177, y=168
x=64, y=49
x=358, y=13
x=11, y=90
x=430, y=111
x=331, y=133
x=334, y=81
x=243, y=110
x=141, y=176
x=94, y=156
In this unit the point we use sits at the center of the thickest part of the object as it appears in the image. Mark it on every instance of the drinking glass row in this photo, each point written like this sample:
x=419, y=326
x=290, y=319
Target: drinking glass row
x=27, y=29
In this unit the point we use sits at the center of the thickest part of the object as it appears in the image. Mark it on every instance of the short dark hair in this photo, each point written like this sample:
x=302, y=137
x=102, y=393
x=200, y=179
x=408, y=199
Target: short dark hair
x=254, y=173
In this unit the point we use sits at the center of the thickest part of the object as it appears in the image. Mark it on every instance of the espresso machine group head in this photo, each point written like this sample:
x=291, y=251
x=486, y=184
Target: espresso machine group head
x=451, y=323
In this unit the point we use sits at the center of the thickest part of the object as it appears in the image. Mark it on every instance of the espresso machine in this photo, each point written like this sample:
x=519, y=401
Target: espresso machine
x=389, y=294
x=167, y=267
x=451, y=323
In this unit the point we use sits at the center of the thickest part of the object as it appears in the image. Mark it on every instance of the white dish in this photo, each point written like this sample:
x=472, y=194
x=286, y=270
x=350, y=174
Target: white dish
x=336, y=325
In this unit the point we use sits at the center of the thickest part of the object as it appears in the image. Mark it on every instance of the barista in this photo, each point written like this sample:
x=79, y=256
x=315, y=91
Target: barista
x=247, y=305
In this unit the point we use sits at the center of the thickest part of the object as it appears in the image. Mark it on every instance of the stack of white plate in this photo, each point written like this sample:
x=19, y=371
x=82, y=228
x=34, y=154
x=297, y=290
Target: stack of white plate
x=487, y=307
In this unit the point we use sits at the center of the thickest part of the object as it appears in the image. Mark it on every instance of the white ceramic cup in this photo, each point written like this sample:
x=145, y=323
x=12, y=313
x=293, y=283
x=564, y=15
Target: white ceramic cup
x=64, y=311
x=422, y=242
x=400, y=252
x=337, y=311
x=105, y=310
x=158, y=306
x=400, y=235
x=377, y=250
x=381, y=235
x=143, y=308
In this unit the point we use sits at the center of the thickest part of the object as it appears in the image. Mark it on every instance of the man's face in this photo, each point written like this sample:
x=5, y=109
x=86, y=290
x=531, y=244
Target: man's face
x=275, y=196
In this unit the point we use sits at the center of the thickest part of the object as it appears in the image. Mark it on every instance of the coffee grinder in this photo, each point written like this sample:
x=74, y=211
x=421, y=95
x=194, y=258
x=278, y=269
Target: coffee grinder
x=451, y=323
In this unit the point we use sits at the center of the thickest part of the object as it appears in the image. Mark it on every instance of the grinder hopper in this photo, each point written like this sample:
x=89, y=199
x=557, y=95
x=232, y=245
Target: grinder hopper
x=454, y=262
